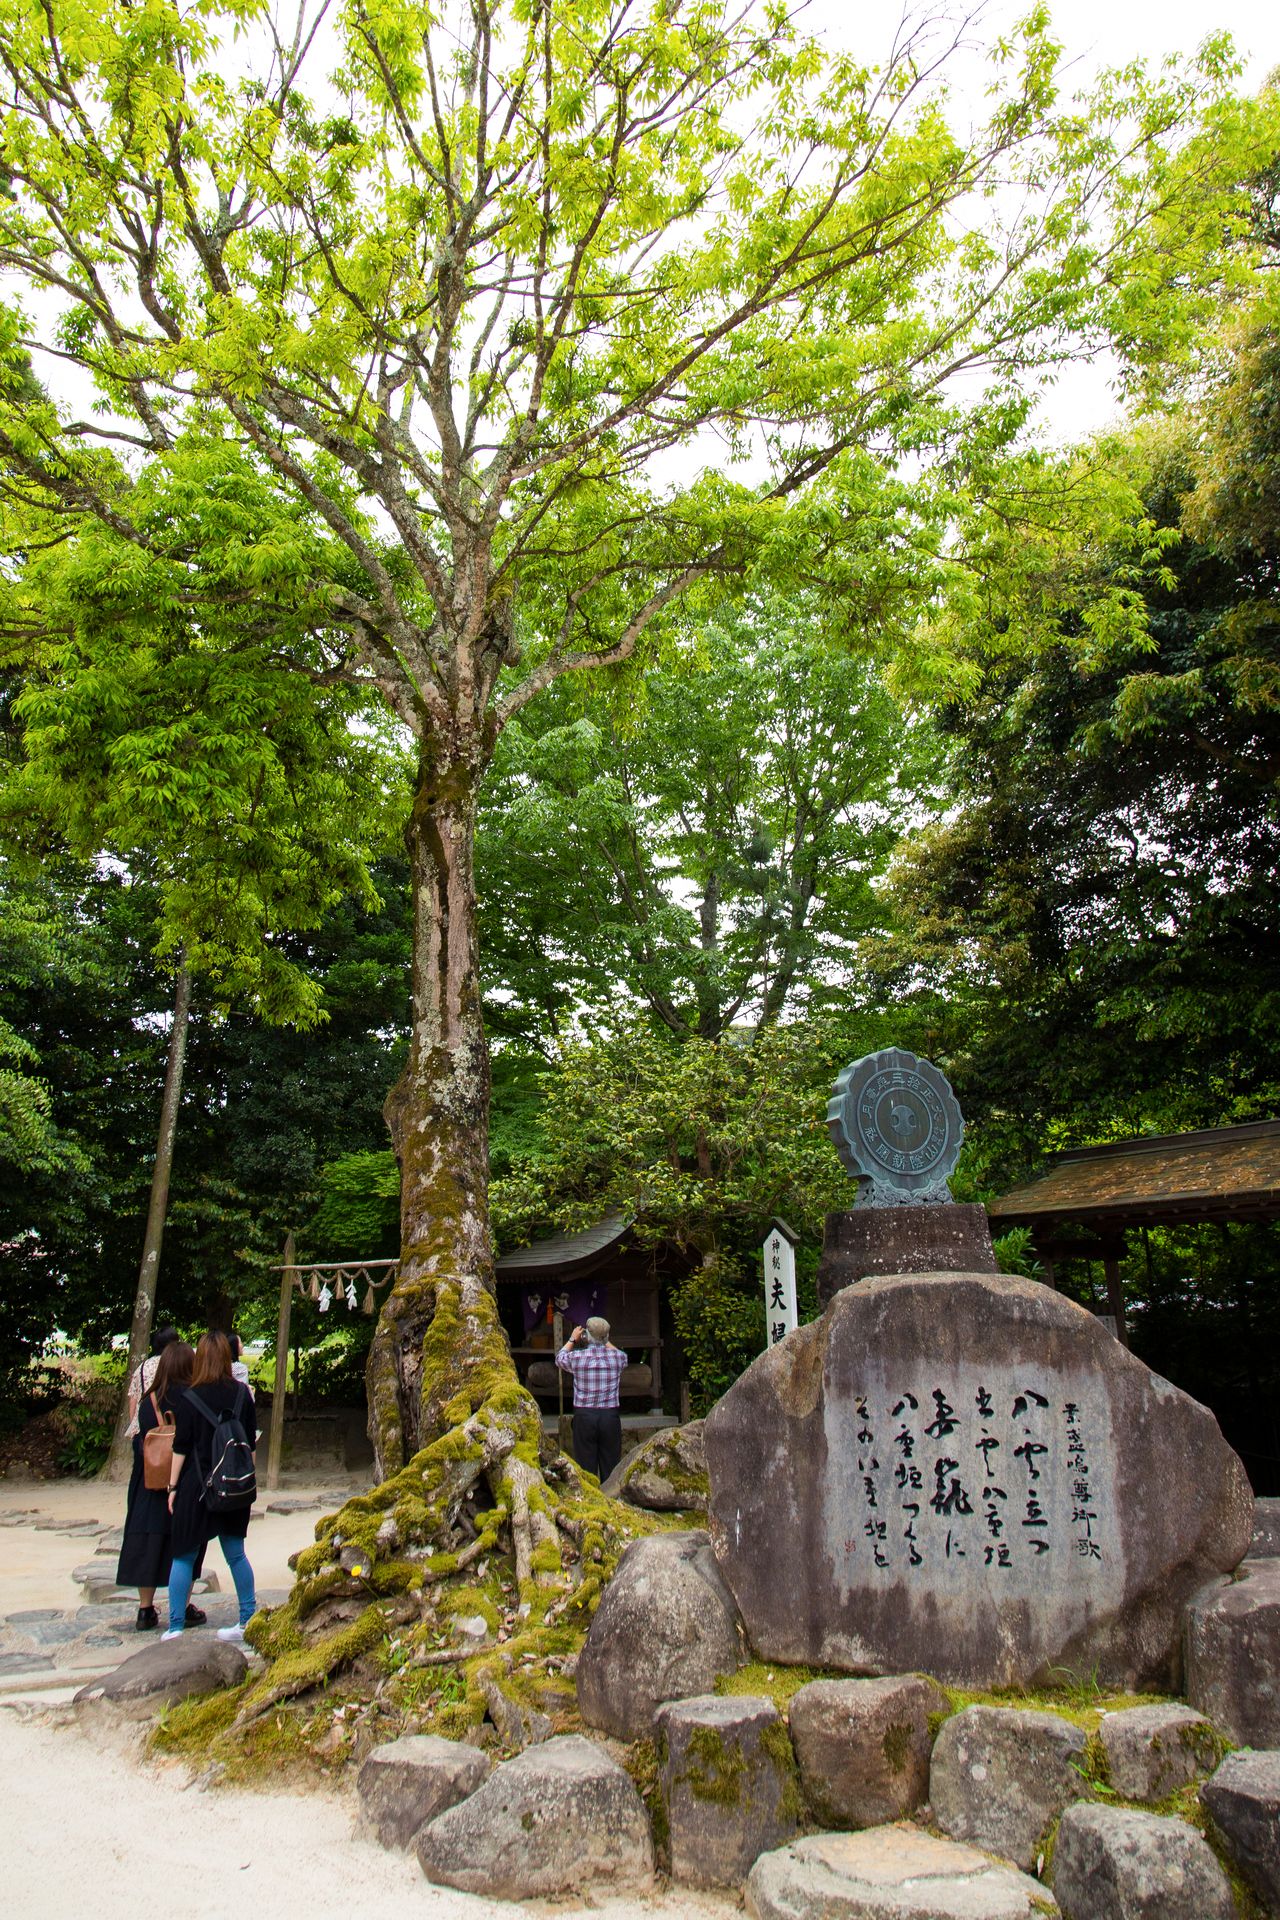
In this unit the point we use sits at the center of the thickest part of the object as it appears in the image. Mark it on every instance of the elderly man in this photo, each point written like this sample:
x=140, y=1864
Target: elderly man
x=595, y=1365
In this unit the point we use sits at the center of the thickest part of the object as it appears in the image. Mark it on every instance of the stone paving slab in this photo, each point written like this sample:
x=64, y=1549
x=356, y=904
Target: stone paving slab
x=87, y=1641
x=53, y=1633
x=24, y=1663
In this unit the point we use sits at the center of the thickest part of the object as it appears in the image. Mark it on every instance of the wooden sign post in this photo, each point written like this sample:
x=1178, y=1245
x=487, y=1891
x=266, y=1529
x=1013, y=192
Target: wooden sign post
x=780, y=1283
x=275, y=1445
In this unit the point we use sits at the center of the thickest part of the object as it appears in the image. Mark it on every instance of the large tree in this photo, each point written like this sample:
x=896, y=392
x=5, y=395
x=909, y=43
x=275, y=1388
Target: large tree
x=533, y=321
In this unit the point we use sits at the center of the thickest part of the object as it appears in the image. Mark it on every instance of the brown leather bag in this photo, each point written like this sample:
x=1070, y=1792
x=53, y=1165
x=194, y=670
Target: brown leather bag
x=157, y=1450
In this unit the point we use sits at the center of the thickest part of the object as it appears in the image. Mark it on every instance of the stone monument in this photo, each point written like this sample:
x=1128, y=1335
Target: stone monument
x=964, y=1474
x=897, y=1128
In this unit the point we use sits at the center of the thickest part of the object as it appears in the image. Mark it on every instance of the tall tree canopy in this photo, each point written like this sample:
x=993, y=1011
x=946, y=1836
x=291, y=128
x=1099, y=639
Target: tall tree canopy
x=466, y=314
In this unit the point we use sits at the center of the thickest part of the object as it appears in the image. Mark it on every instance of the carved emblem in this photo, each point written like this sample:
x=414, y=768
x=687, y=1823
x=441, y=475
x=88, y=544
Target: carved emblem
x=896, y=1125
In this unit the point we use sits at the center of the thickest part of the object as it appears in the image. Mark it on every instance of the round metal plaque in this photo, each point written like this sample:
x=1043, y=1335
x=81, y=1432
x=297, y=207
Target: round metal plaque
x=896, y=1123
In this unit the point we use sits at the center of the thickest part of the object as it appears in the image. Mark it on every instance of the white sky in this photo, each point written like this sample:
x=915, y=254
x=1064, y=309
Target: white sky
x=1095, y=34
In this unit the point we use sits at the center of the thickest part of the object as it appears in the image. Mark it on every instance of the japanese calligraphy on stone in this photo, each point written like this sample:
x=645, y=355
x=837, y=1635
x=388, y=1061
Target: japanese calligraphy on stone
x=896, y=1126
x=994, y=1476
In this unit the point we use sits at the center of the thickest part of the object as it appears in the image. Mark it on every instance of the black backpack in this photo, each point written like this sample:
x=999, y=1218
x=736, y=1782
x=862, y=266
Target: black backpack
x=231, y=1483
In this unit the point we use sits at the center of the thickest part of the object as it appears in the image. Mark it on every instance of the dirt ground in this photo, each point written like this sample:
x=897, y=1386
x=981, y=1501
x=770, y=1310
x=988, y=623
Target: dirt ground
x=36, y=1566
x=88, y=1833
x=92, y=1832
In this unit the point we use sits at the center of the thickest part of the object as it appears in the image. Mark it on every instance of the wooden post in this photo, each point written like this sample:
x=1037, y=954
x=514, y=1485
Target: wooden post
x=275, y=1446
x=564, y=1426
x=120, y=1459
x=1115, y=1292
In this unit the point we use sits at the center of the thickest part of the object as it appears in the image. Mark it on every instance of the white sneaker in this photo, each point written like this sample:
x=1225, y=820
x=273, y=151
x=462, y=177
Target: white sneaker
x=227, y=1633
x=174, y=1633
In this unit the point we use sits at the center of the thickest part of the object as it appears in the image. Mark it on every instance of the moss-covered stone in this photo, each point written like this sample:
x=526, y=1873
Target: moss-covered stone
x=713, y=1768
x=776, y=1743
x=644, y=1760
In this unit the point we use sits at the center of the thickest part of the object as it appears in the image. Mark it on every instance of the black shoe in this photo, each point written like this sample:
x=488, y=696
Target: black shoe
x=147, y=1621
x=195, y=1618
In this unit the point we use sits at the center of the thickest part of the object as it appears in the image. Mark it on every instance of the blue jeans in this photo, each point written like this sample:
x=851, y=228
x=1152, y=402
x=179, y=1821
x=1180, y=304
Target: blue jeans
x=182, y=1573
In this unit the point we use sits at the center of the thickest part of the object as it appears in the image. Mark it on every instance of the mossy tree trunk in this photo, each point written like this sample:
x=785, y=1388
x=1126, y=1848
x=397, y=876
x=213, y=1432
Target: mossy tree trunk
x=438, y=1114
x=466, y=1473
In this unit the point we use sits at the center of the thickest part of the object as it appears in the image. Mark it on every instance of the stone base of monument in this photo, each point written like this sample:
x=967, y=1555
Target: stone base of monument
x=870, y=1241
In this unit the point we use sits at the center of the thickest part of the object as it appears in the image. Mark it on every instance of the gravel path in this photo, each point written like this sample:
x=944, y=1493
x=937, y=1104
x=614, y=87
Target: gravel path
x=89, y=1833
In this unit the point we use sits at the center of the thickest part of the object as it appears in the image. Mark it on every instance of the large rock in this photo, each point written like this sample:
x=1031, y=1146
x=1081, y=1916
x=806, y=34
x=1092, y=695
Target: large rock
x=665, y=1628
x=1000, y=1776
x=666, y=1473
x=1233, y=1654
x=728, y=1785
x=1265, y=1544
x=163, y=1674
x=1243, y=1802
x=863, y=1746
x=557, y=1818
x=1112, y=1863
x=891, y=1873
x=1152, y=1751
x=965, y=1474
x=407, y=1782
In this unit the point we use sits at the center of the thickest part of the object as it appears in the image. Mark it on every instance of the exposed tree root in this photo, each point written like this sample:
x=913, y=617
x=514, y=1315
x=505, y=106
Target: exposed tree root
x=489, y=1531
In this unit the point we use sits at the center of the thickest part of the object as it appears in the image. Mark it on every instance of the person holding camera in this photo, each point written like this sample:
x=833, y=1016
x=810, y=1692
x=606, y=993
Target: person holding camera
x=595, y=1366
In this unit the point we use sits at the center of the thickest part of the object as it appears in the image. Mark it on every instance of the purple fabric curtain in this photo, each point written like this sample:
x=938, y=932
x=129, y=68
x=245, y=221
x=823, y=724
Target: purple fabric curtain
x=577, y=1302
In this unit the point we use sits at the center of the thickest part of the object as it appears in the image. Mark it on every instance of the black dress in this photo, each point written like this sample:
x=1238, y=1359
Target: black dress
x=145, y=1551
x=193, y=1525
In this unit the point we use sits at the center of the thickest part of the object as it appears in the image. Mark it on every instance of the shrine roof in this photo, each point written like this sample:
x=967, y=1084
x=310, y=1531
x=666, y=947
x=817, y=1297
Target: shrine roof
x=565, y=1253
x=1220, y=1173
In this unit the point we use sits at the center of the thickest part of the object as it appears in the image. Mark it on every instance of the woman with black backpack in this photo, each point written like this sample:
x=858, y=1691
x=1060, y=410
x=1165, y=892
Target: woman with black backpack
x=211, y=1481
x=144, y=1549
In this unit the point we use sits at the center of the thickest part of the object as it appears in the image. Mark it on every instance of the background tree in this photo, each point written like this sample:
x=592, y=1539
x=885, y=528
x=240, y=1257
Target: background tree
x=702, y=840
x=171, y=744
x=700, y=1142
x=265, y=1106
x=1093, y=921
x=1087, y=939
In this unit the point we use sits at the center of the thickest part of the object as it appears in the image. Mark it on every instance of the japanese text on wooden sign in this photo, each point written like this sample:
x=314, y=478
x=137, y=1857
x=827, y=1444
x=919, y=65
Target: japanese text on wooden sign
x=779, y=1286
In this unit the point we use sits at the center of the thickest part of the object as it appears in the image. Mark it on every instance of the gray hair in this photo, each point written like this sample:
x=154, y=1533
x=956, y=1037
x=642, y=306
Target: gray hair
x=597, y=1330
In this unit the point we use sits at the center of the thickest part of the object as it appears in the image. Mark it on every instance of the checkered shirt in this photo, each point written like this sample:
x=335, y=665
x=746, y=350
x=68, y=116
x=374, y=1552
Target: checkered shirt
x=596, y=1372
